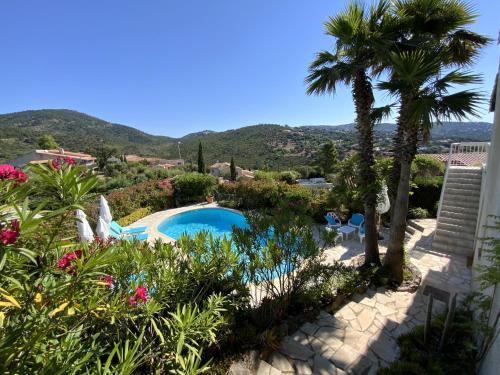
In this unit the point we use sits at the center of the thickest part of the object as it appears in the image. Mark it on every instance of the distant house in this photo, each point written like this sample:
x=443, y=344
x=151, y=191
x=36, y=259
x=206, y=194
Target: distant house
x=44, y=156
x=157, y=162
x=224, y=170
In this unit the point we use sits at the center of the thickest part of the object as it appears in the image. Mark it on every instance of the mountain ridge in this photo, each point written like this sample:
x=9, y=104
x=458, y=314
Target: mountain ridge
x=254, y=146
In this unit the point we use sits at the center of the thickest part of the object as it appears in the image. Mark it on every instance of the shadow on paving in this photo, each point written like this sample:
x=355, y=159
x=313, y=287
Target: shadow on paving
x=361, y=336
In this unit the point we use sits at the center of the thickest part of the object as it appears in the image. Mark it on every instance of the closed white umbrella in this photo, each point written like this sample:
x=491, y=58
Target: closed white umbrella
x=383, y=202
x=84, y=230
x=102, y=229
x=104, y=210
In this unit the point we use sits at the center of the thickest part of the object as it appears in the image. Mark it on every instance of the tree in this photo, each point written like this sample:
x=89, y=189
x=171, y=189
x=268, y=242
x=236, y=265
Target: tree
x=328, y=157
x=201, y=162
x=232, y=169
x=102, y=154
x=422, y=70
x=360, y=39
x=47, y=142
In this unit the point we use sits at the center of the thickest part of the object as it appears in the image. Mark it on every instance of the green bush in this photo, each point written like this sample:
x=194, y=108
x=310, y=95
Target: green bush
x=426, y=166
x=290, y=177
x=265, y=176
x=426, y=191
x=458, y=355
x=418, y=213
x=134, y=216
x=155, y=194
x=194, y=186
x=106, y=307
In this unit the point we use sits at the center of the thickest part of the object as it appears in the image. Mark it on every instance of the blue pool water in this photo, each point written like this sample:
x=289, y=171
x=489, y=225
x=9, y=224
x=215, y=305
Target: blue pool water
x=217, y=221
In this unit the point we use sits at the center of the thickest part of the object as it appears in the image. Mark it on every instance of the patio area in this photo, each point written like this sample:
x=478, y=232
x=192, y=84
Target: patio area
x=360, y=337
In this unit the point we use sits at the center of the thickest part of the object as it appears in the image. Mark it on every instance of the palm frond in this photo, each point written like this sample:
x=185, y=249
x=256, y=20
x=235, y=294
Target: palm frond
x=380, y=113
x=324, y=80
x=456, y=77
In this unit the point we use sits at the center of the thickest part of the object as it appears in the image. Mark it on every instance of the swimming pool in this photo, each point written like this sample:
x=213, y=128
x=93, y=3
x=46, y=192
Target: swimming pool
x=217, y=221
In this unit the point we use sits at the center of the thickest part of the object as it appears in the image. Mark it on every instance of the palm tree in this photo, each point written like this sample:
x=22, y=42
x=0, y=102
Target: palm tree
x=423, y=70
x=359, y=42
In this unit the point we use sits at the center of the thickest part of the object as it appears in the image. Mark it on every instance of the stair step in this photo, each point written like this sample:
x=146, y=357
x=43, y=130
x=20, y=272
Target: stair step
x=459, y=230
x=455, y=249
x=415, y=225
x=410, y=229
x=448, y=236
x=454, y=214
x=457, y=180
x=454, y=203
x=462, y=192
x=464, y=211
x=453, y=220
x=465, y=170
x=473, y=188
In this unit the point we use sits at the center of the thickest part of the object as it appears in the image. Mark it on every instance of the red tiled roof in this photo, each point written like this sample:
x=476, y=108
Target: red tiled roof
x=464, y=159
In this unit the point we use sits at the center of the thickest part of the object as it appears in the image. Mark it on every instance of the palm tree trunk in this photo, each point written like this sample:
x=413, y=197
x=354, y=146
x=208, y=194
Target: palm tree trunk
x=363, y=101
x=394, y=259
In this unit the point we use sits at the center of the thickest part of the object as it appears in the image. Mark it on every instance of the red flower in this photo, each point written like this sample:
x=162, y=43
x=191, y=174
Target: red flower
x=9, y=236
x=67, y=258
x=56, y=164
x=141, y=293
x=108, y=280
x=69, y=161
x=132, y=301
x=8, y=172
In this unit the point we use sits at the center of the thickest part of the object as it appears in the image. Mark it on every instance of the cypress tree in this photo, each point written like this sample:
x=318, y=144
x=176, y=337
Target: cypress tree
x=201, y=162
x=232, y=169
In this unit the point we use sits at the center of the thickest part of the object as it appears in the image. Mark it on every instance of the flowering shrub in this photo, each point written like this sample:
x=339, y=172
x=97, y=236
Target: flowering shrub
x=108, y=306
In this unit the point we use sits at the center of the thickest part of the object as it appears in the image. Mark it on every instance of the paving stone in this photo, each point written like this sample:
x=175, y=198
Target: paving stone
x=280, y=362
x=357, y=340
x=323, y=366
x=365, y=318
x=344, y=357
x=385, y=310
x=300, y=337
x=326, y=332
x=264, y=368
x=309, y=328
x=355, y=325
x=318, y=346
x=362, y=366
x=332, y=321
x=303, y=368
x=385, y=348
x=295, y=350
x=238, y=369
x=369, y=301
x=346, y=313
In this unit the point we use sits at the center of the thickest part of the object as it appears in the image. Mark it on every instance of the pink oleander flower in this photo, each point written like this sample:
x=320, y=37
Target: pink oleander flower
x=132, y=301
x=67, y=258
x=108, y=280
x=9, y=172
x=56, y=164
x=69, y=161
x=141, y=293
x=10, y=234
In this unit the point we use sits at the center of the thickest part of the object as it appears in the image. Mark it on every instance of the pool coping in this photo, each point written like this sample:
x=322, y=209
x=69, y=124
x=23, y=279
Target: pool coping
x=154, y=220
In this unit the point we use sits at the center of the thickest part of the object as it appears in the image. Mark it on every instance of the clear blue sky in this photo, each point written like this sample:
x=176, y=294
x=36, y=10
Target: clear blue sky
x=174, y=67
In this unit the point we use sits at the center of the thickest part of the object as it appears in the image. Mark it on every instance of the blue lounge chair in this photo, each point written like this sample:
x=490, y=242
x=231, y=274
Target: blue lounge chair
x=333, y=220
x=121, y=230
x=128, y=236
x=356, y=221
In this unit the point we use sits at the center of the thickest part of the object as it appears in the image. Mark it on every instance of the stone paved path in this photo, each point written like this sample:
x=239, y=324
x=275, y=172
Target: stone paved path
x=360, y=337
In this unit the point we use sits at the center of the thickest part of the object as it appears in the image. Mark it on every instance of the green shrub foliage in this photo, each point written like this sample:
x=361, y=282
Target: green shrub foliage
x=194, y=187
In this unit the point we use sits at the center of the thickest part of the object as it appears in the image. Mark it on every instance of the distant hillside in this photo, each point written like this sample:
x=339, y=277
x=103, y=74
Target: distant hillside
x=252, y=146
x=73, y=131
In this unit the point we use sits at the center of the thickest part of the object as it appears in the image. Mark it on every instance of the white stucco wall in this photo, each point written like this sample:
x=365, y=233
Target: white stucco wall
x=491, y=206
